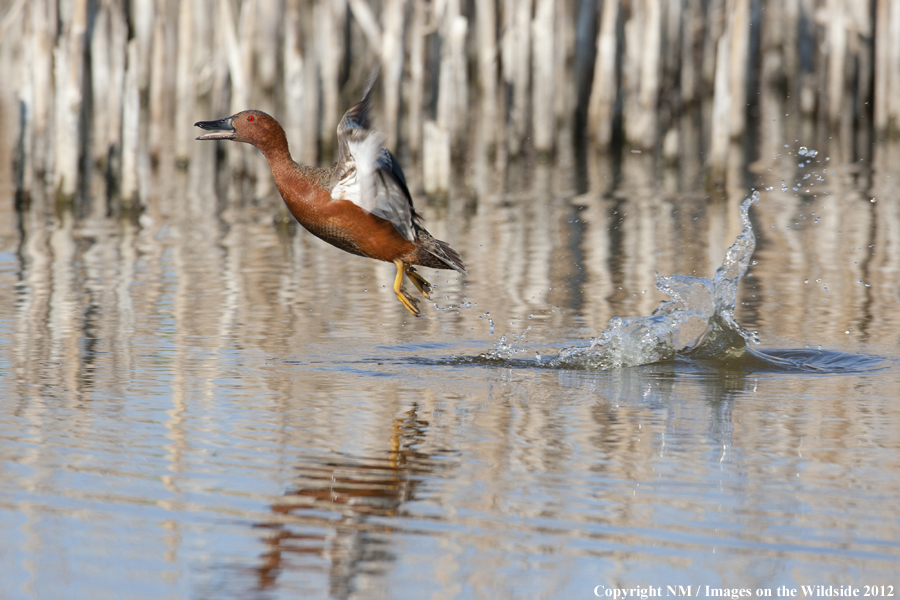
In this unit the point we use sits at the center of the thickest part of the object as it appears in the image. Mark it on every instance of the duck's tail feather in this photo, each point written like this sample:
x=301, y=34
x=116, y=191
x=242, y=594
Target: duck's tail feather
x=438, y=254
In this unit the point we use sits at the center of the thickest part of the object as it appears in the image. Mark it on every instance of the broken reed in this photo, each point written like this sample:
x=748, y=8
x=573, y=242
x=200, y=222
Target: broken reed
x=100, y=81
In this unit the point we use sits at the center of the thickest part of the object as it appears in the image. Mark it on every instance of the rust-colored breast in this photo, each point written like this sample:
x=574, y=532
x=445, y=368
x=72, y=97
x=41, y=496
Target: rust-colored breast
x=342, y=223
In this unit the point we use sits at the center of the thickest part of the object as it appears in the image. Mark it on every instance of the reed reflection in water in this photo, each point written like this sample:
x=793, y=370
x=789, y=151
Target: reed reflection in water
x=200, y=400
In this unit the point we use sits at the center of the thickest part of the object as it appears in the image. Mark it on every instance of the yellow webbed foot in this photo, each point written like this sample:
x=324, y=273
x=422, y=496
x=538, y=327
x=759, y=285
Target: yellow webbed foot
x=418, y=281
x=411, y=304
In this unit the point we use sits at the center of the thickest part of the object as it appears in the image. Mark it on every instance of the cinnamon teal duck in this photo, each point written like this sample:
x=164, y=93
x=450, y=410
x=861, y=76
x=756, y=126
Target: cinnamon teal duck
x=361, y=204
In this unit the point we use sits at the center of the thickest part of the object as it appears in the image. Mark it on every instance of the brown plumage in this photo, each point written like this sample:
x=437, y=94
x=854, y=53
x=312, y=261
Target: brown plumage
x=361, y=204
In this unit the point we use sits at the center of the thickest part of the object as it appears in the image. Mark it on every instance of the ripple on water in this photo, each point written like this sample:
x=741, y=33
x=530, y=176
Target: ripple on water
x=696, y=325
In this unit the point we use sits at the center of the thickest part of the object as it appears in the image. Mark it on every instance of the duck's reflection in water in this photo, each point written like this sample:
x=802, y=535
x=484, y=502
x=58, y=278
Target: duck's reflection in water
x=340, y=505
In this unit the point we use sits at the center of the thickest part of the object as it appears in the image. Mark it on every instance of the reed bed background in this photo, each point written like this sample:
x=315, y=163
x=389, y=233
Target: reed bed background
x=102, y=85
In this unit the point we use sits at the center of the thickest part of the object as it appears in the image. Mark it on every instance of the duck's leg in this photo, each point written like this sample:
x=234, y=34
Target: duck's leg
x=411, y=304
x=418, y=281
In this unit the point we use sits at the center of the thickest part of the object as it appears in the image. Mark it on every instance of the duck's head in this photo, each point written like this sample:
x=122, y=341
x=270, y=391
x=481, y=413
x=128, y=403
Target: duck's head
x=250, y=126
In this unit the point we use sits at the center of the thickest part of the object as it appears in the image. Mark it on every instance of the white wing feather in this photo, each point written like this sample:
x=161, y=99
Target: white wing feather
x=367, y=182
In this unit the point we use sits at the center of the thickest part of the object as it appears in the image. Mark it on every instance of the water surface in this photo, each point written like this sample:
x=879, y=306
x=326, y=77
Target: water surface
x=201, y=400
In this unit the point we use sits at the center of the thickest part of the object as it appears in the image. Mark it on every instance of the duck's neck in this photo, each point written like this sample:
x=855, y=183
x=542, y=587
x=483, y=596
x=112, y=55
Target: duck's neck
x=275, y=149
x=297, y=185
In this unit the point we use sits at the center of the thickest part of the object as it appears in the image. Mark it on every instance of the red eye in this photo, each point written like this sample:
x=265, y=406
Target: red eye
x=250, y=118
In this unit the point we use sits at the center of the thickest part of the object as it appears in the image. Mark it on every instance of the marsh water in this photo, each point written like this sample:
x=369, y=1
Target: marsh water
x=201, y=400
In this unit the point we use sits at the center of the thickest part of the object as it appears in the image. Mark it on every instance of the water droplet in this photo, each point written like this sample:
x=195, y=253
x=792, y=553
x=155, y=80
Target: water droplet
x=802, y=151
x=872, y=200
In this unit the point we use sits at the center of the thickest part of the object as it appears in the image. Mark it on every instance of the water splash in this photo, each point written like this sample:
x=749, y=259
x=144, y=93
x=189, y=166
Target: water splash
x=696, y=324
x=697, y=320
x=506, y=349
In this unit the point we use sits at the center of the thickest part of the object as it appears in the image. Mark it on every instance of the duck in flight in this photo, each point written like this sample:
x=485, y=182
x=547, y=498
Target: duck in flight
x=361, y=204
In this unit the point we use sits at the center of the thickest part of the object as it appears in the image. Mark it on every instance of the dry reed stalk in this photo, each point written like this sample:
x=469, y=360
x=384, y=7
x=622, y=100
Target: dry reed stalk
x=143, y=18
x=11, y=16
x=309, y=151
x=246, y=32
x=367, y=21
x=729, y=97
x=486, y=25
x=203, y=43
x=565, y=95
x=13, y=103
x=329, y=17
x=293, y=62
x=69, y=80
x=100, y=84
x=24, y=162
x=836, y=53
x=118, y=32
x=887, y=68
x=825, y=56
x=131, y=122
x=394, y=23
x=267, y=45
x=435, y=158
x=718, y=145
x=671, y=44
x=416, y=32
x=771, y=47
x=452, y=104
x=229, y=45
x=516, y=57
x=439, y=135
x=42, y=39
x=158, y=90
x=740, y=45
x=861, y=48
x=256, y=95
x=715, y=19
x=807, y=81
x=641, y=73
x=603, y=90
x=185, y=87
x=543, y=83
x=691, y=36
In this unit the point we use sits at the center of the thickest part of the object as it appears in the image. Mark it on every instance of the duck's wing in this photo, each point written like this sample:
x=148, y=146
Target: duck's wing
x=367, y=174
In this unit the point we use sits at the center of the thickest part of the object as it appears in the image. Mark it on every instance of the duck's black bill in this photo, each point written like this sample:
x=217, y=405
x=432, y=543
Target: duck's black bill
x=220, y=130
